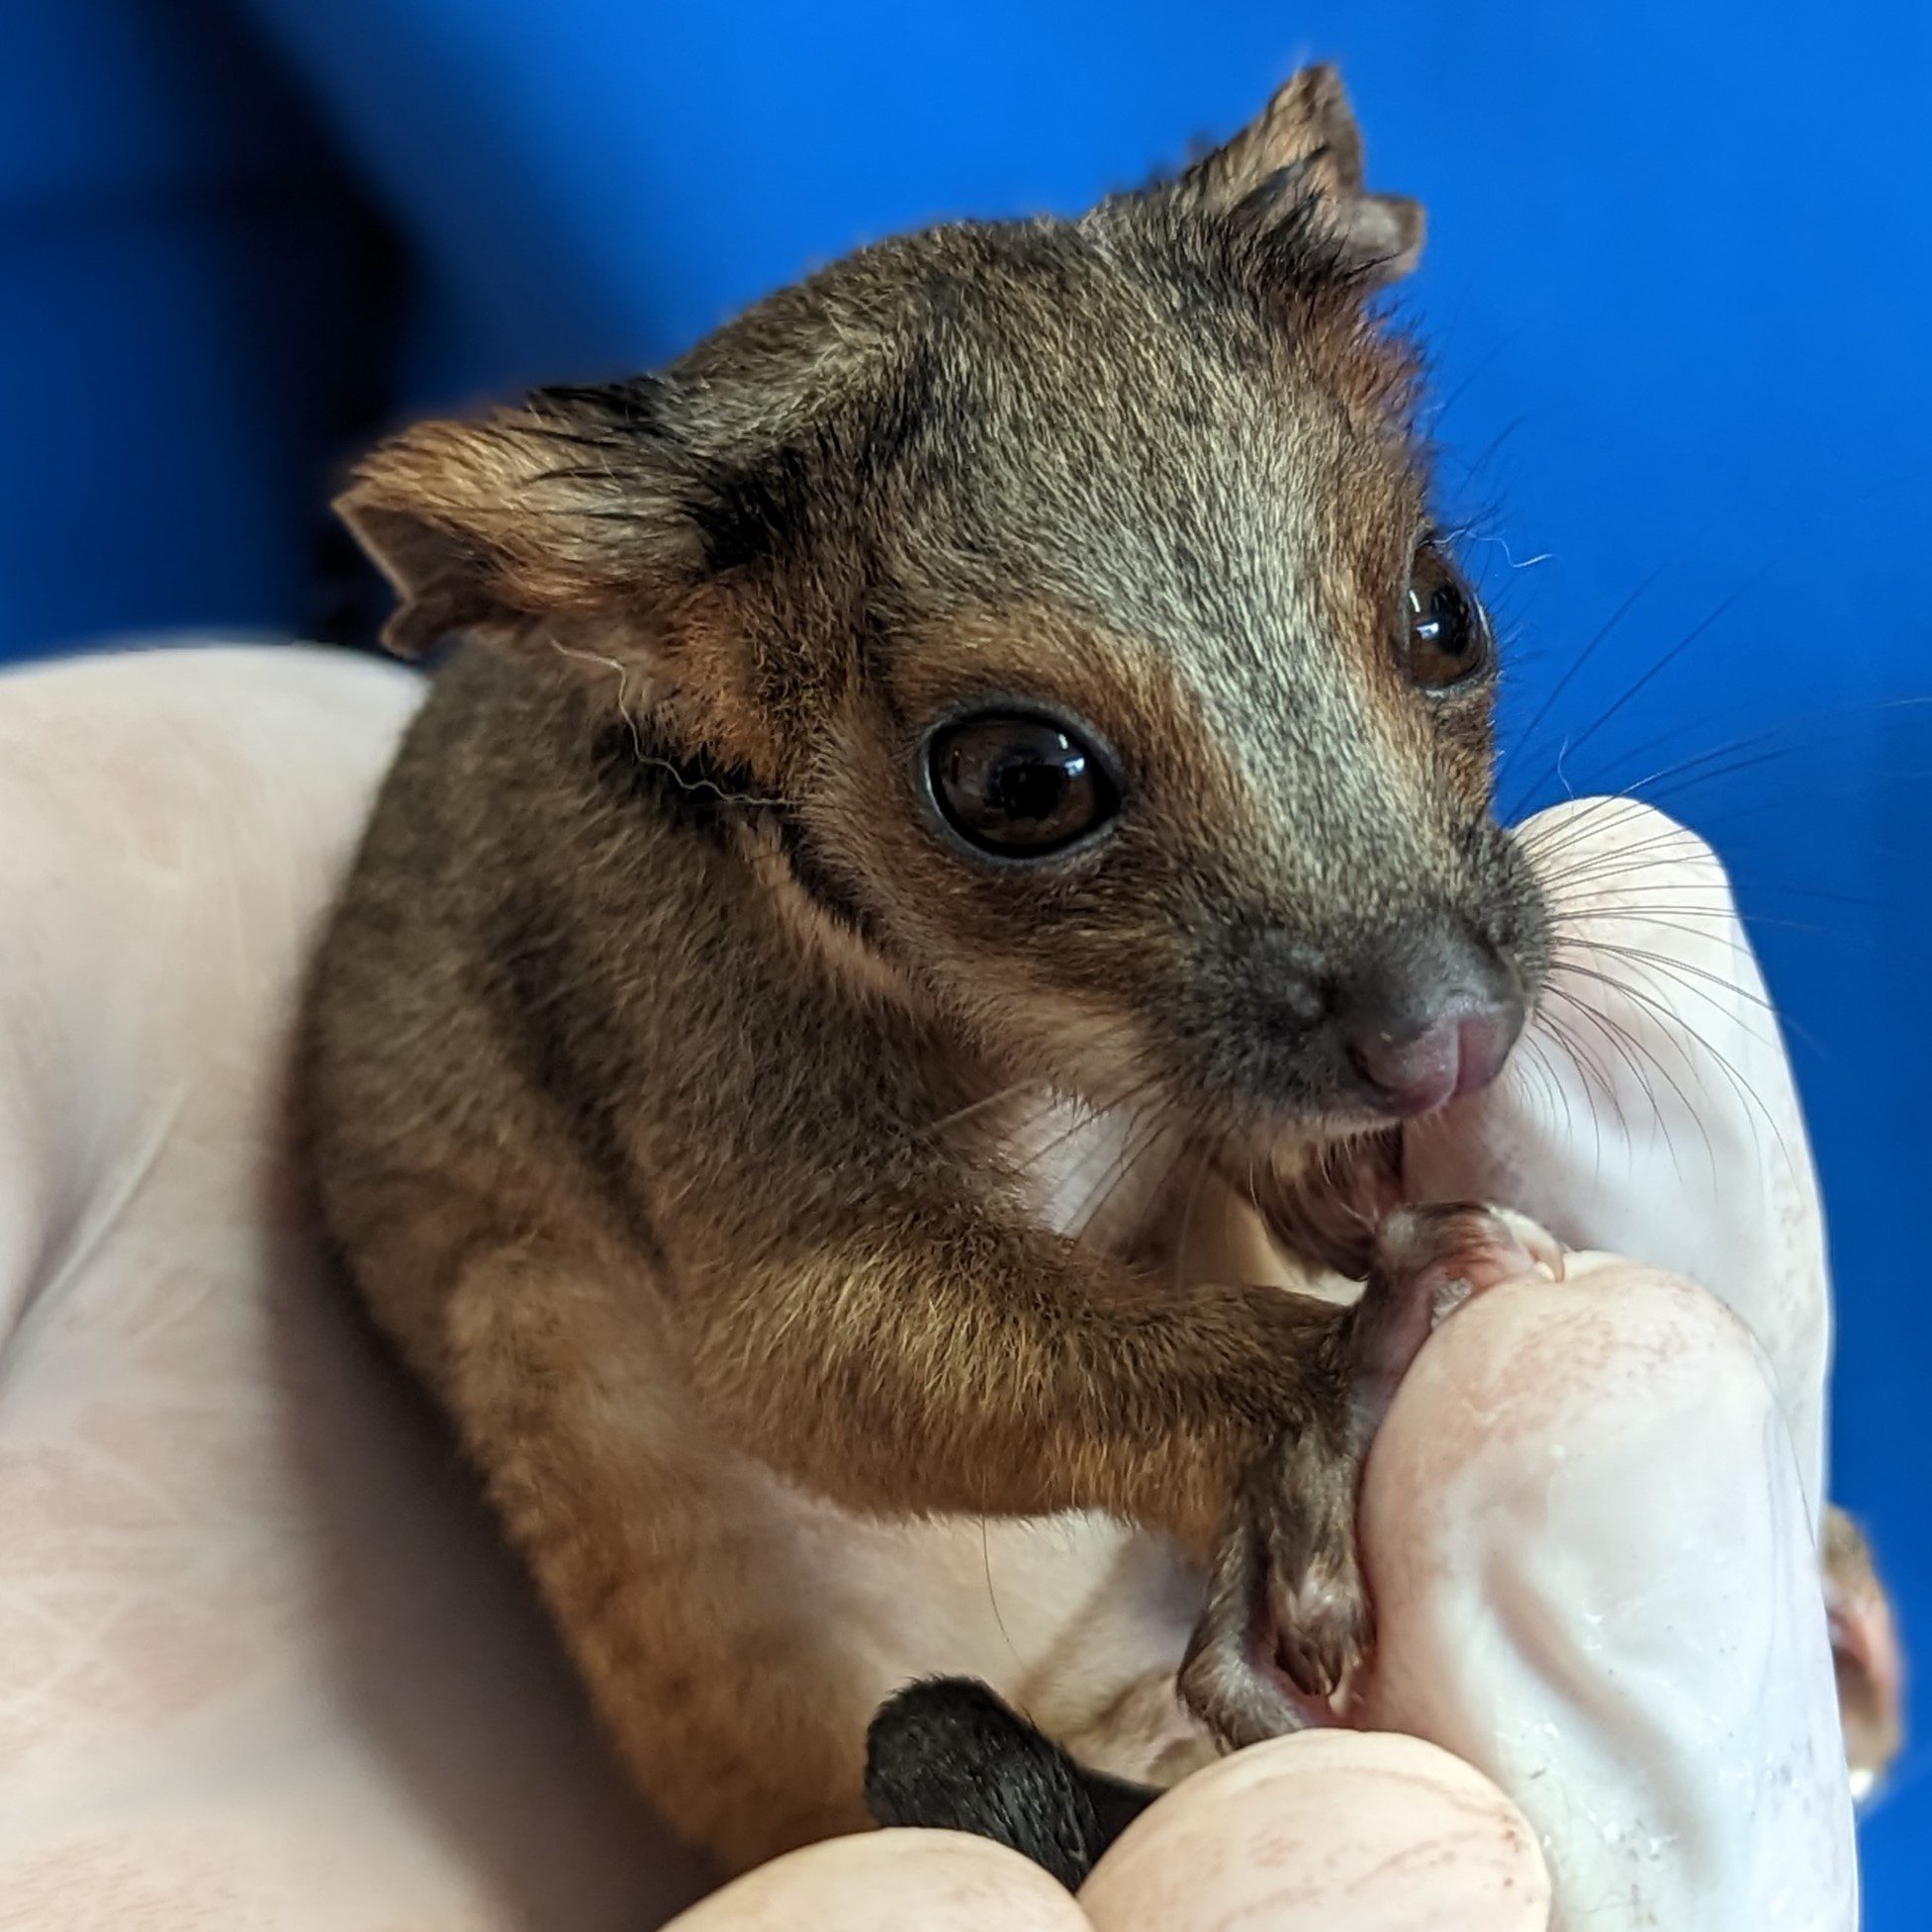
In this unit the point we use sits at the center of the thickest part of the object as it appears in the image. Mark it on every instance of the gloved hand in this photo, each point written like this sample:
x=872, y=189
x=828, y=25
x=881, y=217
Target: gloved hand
x=262, y=1662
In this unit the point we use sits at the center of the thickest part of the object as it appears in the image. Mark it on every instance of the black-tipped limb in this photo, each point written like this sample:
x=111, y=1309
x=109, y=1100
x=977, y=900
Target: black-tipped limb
x=947, y=1755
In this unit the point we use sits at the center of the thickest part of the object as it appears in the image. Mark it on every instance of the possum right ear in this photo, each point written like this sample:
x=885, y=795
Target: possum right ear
x=565, y=509
x=1305, y=147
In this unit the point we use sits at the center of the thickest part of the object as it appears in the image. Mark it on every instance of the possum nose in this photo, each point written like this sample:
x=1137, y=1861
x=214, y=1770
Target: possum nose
x=1419, y=1037
x=1451, y=1057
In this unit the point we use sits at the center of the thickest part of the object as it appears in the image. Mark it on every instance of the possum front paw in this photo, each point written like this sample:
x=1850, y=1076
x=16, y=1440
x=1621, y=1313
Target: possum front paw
x=1286, y=1612
x=1287, y=1616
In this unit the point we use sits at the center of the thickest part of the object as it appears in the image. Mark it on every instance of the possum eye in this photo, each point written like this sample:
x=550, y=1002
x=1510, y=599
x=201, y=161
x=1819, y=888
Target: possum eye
x=1445, y=635
x=1016, y=787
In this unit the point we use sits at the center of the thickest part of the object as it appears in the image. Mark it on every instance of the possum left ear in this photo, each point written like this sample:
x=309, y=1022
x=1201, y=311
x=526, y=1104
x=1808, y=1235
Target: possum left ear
x=1305, y=147
x=566, y=509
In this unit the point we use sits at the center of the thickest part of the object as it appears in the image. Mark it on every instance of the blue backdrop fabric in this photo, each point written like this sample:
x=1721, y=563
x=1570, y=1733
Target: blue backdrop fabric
x=1677, y=290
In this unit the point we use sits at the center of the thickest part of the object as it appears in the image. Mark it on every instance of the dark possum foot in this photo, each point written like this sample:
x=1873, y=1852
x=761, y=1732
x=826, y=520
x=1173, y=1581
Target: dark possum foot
x=1287, y=1613
x=947, y=1755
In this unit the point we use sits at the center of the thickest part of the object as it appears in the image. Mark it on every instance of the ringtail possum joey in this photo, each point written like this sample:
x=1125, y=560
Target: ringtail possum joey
x=1009, y=680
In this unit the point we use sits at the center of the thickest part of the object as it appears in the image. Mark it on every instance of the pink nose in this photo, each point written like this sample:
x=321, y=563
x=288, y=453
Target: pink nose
x=1459, y=1051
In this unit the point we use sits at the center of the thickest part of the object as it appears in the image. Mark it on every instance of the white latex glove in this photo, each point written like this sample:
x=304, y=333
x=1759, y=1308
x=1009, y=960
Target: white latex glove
x=1652, y=1111
x=261, y=1662
x=1591, y=1519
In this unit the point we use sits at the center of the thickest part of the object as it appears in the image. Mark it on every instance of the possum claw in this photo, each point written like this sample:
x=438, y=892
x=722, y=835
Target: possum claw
x=1287, y=1616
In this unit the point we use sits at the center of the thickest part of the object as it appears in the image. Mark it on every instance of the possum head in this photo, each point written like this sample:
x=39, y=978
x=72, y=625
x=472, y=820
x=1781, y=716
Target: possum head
x=1074, y=585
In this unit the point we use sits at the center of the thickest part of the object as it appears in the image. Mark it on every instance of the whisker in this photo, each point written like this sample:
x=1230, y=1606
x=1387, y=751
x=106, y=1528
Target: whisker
x=1629, y=691
x=1438, y=414
x=1690, y=971
x=985, y=1101
x=1201, y=1165
x=1588, y=1012
x=1592, y=868
x=1675, y=1027
x=1142, y=1139
x=1551, y=1086
x=1583, y=1063
x=1635, y=1049
x=993, y=1596
x=1088, y=1112
x=1854, y=711
x=1583, y=657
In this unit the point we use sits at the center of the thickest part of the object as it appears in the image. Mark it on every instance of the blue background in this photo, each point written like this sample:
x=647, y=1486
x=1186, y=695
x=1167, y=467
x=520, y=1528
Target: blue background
x=1678, y=290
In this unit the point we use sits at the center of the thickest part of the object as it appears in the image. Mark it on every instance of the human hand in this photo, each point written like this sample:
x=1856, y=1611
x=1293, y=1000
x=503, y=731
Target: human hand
x=263, y=1661
x=1588, y=1525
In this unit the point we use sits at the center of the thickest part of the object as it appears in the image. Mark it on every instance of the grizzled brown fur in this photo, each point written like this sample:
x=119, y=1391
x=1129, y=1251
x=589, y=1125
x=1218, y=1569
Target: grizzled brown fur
x=663, y=1061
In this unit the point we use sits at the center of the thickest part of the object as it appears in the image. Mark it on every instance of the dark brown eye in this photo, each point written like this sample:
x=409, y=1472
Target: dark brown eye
x=1445, y=640
x=1018, y=788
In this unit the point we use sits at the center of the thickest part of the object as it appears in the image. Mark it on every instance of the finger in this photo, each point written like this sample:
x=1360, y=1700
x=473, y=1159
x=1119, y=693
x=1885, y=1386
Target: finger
x=888, y=1882
x=1585, y=1537
x=1650, y=1109
x=1345, y=1830
x=259, y=1668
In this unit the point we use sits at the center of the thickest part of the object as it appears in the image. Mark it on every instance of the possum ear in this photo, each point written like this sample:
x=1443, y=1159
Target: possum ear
x=561, y=510
x=1304, y=153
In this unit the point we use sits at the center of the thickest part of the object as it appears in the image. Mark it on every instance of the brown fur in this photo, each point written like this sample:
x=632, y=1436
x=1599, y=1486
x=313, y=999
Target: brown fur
x=1867, y=1654
x=670, y=1076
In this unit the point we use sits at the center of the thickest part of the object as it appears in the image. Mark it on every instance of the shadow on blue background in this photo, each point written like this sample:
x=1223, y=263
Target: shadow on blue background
x=1678, y=289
